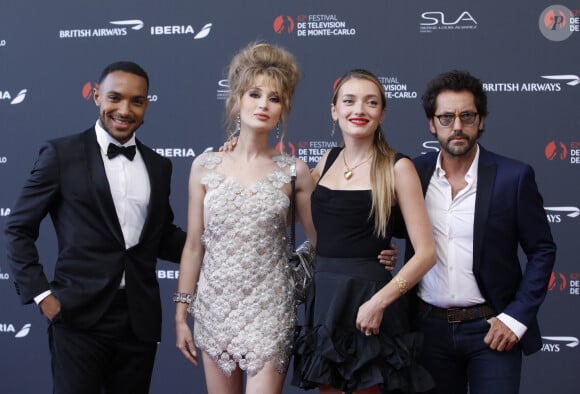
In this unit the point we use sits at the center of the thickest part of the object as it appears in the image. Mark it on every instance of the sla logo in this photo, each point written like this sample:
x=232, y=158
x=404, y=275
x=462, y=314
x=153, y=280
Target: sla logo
x=554, y=346
x=223, y=90
x=430, y=146
x=9, y=328
x=573, y=80
x=556, y=149
x=555, y=217
x=283, y=23
x=437, y=20
x=5, y=95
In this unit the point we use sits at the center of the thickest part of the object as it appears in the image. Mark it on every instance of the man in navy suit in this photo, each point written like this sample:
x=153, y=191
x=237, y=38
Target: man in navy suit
x=476, y=307
x=108, y=197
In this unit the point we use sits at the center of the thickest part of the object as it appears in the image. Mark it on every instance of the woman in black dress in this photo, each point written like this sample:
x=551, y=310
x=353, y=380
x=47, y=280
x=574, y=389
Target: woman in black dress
x=357, y=337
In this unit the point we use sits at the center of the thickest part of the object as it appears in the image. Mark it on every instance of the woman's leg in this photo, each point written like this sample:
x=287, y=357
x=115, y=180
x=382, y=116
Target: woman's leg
x=217, y=381
x=267, y=380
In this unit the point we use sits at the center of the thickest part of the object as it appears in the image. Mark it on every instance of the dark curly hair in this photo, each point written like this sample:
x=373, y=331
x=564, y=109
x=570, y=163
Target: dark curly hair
x=456, y=81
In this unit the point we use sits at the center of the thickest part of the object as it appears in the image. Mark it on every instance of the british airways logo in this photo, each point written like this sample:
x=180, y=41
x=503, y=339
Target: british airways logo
x=134, y=24
x=572, y=80
x=555, y=214
x=553, y=344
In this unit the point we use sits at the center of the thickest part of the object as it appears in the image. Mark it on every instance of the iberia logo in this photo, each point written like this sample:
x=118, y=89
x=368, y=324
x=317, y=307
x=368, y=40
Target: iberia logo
x=556, y=149
x=559, y=281
x=283, y=23
x=88, y=90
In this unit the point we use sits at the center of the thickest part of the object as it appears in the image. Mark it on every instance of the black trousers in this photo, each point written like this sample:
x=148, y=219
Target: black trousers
x=105, y=359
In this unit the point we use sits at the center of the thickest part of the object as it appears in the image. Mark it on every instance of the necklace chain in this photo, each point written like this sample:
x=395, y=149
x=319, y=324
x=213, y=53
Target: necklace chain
x=349, y=170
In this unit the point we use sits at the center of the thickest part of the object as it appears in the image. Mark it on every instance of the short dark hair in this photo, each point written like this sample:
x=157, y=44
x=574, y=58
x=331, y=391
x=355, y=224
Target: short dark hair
x=125, y=66
x=456, y=81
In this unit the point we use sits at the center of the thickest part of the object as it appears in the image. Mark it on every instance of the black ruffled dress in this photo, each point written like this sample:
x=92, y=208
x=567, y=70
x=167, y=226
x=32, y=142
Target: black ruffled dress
x=330, y=350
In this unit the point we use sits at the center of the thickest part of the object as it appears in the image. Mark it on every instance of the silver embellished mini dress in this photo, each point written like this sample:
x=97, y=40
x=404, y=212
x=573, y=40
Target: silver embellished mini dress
x=243, y=309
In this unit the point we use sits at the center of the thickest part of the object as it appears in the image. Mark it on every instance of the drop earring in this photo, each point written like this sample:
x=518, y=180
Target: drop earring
x=278, y=130
x=333, y=128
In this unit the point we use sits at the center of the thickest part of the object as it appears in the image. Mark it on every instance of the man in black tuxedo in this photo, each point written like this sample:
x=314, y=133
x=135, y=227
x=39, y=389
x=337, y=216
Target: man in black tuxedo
x=108, y=197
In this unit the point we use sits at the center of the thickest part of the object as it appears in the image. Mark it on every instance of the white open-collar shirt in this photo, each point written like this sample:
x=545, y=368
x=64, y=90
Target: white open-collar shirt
x=451, y=282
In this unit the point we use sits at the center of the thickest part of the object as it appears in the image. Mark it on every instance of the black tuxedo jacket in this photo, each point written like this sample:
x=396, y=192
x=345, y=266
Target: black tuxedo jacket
x=509, y=214
x=69, y=183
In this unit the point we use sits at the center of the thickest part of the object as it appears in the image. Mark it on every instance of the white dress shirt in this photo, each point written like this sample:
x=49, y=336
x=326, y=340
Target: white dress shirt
x=451, y=282
x=130, y=189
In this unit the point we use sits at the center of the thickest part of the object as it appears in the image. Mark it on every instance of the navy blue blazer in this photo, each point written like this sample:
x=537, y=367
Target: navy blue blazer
x=68, y=182
x=509, y=213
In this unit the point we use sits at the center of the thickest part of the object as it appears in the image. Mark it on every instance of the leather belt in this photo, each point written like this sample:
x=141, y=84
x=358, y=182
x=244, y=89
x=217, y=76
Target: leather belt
x=457, y=314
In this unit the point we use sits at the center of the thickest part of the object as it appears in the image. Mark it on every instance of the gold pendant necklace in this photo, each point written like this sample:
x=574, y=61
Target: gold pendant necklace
x=349, y=170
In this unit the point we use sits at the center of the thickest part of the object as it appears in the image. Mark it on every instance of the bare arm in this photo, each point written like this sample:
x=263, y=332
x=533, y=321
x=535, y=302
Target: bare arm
x=191, y=259
x=410, y=199
x=304, y=188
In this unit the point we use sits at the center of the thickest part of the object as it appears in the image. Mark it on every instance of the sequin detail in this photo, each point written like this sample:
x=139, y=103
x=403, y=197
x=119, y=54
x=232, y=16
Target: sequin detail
x=244, y=311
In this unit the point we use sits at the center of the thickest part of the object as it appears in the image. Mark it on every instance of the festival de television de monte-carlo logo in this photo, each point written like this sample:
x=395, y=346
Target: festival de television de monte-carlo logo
x=319, y=25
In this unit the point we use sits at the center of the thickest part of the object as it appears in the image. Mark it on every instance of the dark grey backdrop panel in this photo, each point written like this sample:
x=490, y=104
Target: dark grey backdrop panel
x=51, y=55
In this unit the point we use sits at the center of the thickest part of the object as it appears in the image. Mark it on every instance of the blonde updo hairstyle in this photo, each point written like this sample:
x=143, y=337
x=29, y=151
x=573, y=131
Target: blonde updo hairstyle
x=261, y=59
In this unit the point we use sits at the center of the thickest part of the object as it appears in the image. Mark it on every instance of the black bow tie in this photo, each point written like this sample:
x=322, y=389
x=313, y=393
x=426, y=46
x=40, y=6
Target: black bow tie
x=116, y=150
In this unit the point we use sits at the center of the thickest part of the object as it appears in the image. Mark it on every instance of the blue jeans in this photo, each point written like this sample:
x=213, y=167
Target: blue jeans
x=457, y=358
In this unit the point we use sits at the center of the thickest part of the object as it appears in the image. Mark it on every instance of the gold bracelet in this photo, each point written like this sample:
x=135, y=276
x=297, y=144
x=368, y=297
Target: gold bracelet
x=402, y=284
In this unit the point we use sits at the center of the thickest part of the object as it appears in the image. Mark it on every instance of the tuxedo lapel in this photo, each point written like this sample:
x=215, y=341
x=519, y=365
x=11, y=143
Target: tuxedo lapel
x=100, y=184
x=486, y=174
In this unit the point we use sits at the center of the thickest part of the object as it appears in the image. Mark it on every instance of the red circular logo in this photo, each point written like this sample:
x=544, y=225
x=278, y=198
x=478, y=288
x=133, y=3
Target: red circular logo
x=554, y=19
x=556, y=149
x=282, y=23
x=87, y=91
x=281, y=147
x=554, y=281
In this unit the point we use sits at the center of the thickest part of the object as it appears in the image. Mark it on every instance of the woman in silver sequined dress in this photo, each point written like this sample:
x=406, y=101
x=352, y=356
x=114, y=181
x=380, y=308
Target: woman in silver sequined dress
x=235, y=257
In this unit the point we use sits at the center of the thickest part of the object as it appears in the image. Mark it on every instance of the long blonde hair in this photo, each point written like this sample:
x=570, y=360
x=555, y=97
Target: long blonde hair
x=261, y=59
x=383, y=162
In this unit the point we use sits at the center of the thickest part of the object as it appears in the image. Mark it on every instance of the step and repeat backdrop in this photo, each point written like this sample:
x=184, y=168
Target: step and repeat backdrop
x=526, y=53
